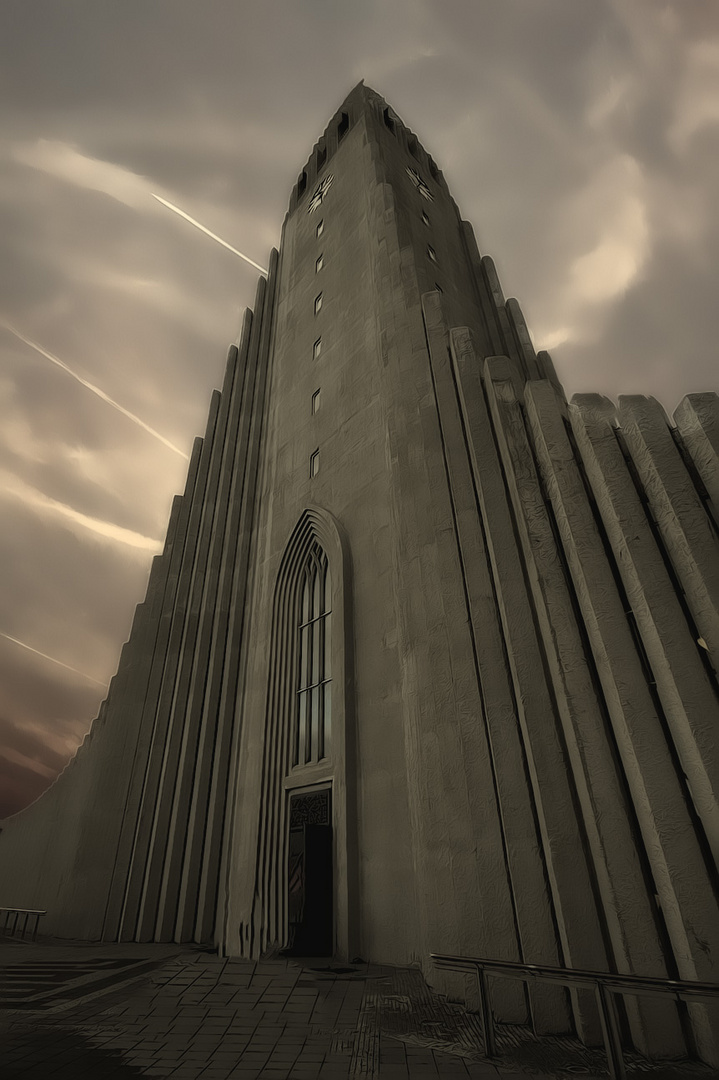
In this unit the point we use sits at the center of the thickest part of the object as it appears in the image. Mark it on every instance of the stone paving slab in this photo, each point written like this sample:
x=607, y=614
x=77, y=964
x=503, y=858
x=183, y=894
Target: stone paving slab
x=201, y=1016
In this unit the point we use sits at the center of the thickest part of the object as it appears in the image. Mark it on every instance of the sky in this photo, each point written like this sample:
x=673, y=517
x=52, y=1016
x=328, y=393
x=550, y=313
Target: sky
x=580, y=138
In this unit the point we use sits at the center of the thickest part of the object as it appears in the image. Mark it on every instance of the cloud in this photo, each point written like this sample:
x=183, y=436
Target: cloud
x=67, y=163
x=618, y=256
x=696, y=107
x=82, y=524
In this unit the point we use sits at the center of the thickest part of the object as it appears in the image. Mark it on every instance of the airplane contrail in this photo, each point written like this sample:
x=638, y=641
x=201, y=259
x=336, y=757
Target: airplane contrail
x=95, y=389
x=51, y=658
x=208, y=233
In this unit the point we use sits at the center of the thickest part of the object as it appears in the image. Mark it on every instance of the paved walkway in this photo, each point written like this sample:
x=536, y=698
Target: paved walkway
x=83, y=1012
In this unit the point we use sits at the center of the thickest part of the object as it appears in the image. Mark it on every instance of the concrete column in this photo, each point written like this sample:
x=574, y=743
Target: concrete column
x=181, y=773
x=524, y=341
x=509, y=342
x=687, y=900
x=173, y=553
x=163, y=735
x=547, y=370
x=697, y=419
x=212, y=644
x=205, y=862
x=175, y=783
x=688, y=698
x=628, y=910
x=510, y=729
x=486, y=302
x=682, y=520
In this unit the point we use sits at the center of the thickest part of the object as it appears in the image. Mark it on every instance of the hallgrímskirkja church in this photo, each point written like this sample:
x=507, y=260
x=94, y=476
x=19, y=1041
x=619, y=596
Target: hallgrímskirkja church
x=429, y=661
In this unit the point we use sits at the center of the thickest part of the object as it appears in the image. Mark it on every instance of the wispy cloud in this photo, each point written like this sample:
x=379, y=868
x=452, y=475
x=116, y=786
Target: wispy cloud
x=65, y=162
x=207, y=232
x=95, y=389
x=52, y=659
x=11, y=486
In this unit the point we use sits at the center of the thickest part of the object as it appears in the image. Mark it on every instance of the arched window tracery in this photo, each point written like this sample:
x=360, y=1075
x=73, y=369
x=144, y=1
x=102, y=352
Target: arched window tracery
x=311, y=742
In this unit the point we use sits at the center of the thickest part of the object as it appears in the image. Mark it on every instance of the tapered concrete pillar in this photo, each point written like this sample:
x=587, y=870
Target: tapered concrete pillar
x=165, y=737
x=697, y=420
x=486, y=303
x=524, y=341
x=688, y=698
x=552, y=786
x=681, y=518
x=508, y=339
x=173, y=553
x=515, y=742
x=686, y=896
x=628, y=912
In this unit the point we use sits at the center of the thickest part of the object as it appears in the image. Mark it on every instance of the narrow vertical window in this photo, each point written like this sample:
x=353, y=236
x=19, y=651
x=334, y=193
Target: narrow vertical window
x=301, y=184
x=321, y=157
x=412, y=146
x=317, y=348
x=318, y=302
x=315, y=402
x=312, y=727
x=320, y=227
x=319, y=264
x=314, y=463
x=388, y=120
x=343, y=127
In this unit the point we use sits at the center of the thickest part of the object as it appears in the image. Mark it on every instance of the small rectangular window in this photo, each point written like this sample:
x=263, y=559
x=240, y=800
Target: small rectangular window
x=343, y=127
x=321, y=157
x=432, y=253
x=316, y=348
x=319, y=264
x=388, y=120
x=320, y=228
x=412, y=146
x=425, y=219
x=314, y=463
x=301, y=184
x=318, y=302
x=315, y=402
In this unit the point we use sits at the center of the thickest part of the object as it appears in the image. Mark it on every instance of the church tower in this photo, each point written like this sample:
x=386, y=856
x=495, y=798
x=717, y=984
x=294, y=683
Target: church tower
x=429, y=661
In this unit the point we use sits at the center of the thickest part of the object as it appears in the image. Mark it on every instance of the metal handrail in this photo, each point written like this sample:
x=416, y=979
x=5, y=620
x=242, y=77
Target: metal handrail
x=604, y=984
x=17, y=912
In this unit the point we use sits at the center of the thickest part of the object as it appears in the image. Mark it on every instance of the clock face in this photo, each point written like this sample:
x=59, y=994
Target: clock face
x=419, y=184
x=320, y=192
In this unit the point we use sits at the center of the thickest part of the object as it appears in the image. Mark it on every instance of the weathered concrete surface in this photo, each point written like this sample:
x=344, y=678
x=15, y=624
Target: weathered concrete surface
x=685, y=892
x=685, y=527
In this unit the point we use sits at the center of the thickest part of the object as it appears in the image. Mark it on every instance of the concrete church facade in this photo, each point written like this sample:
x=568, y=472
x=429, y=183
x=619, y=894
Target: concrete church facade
x=429, y=660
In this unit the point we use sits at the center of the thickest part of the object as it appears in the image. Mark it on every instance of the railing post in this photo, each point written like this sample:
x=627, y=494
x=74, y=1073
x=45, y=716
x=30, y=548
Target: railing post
x=610, y=1031
x=485, y=1009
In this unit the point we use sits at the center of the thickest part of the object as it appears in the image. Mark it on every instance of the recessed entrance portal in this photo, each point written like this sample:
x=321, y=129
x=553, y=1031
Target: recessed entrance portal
x=310, y=879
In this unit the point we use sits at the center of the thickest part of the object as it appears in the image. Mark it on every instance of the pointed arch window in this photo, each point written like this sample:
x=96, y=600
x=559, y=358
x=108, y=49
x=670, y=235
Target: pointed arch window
x=314, y=678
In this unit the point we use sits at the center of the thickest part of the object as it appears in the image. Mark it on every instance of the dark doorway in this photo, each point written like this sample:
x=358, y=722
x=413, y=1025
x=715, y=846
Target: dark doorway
x=310, y=883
